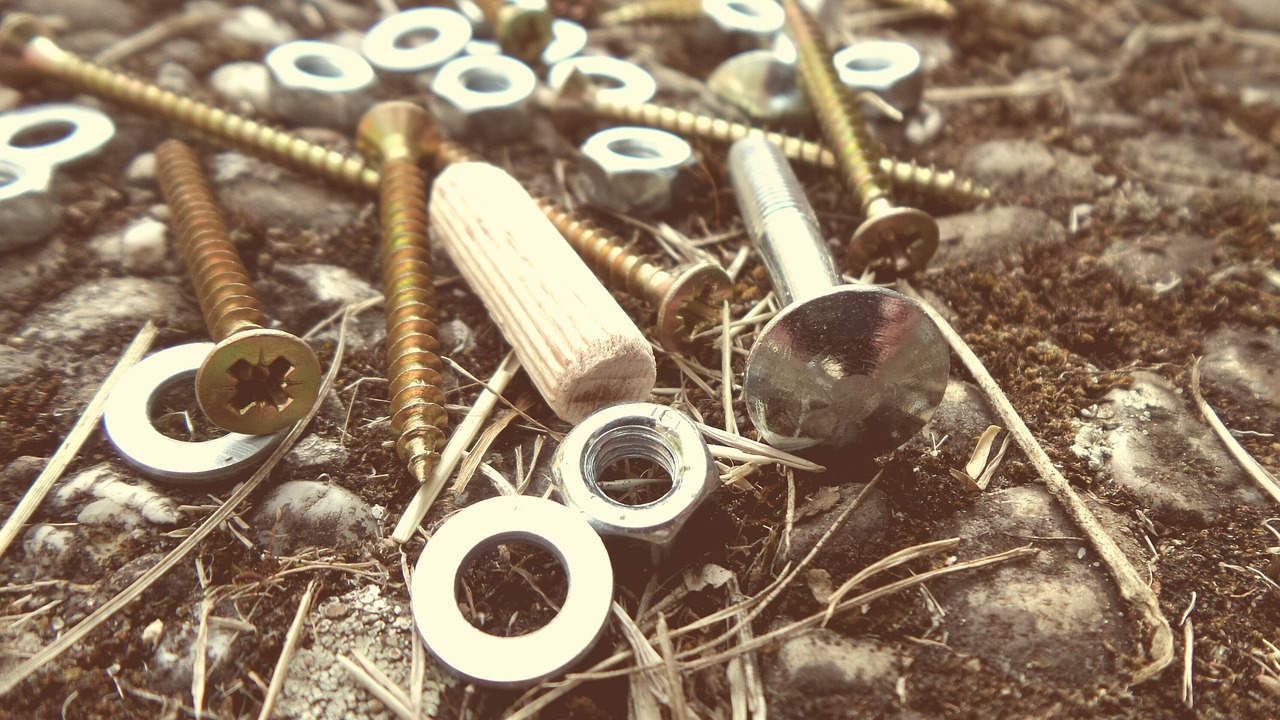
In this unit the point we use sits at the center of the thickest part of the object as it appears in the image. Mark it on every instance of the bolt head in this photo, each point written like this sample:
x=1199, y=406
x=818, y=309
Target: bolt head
x=857, y=366
x=897, y=242
x=395, y=127
x=692, y=304
x=258, y=381
x=17, y=29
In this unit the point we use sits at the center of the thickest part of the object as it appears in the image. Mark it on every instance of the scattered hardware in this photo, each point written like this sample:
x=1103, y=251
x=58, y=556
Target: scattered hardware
x=387, y=44
x=635, y=170
x=619, y=81
x=319, y=83
x=483, y=97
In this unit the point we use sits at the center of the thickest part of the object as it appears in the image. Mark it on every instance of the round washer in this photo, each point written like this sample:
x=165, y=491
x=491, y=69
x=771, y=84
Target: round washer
x=890, y=68
x=336, y=69
x=448, y=33
x=617, y=81
x=525, y=659
x=127, y=421
x=568, y=38
x=90, y=130
x=653, y=432
x=638, y=148
x=757, y=17
x=476, y=82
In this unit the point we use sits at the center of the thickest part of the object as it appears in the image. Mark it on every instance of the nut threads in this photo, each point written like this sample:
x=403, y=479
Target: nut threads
x=418, y=417
x=217, y=123
x=222, y=286
x=650, y=11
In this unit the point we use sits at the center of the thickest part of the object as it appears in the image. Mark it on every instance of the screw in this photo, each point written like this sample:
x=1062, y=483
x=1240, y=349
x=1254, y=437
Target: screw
x=578, y=95
x=646, y=11
x=839, y=364
x=523, y=32
x=255, y=380
x=399, y=134
x=891, y=238
x=26, y=36
x=938, y=8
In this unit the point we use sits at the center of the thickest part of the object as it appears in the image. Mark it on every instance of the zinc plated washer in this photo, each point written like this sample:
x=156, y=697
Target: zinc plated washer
x=127, y=421
x=617, y=81
x=446, y=33
x=525, y=659
x=891, y=69
x=658, y=433
x=90, y=129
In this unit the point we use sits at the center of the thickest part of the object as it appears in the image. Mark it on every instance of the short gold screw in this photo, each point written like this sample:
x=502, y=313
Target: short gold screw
x=891, y=238
x=26, y=36
x=398, y=134
x=522, y=32
x=255, y=380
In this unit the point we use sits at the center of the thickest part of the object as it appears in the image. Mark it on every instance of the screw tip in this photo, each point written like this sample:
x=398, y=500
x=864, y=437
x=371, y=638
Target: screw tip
x=397, y=127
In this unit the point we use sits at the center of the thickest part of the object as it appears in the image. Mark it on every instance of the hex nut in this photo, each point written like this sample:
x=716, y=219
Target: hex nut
x=417, y=40
x=635, y=170
x=729, y=26
x=642, y=431
x=762, y=85
x=893, y=70
x=53, y=134
x=320, y=84
x=616, y=81
x=28, y=212
x=485, y=97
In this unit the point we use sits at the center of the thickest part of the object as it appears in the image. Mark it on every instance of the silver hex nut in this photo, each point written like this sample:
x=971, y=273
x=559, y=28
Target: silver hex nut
x=485, y=97
x=28, y=212
x=891, y=69
x=729, y=26
x=320, y=84
x=635, y=170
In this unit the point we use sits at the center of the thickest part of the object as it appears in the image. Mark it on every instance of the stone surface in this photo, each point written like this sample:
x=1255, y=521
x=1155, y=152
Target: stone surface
x=1258, y=14
x=246, y=85
x=252, y=24
x=23, y=272
x=1159, y=451
x=1033, y=166
x=112, y=15
x=139, y=248
x=114, y=306
x=303, y=295
x=1188, y=164
x=278, y=198
x=1161, y=262
x=176, y=78
x=1246, y=365
x=1060, y=51
x=1001, y=233
x=142, y=170
x=103, y=495
x=310, y=514
x=818, y=671
x=17, y=364
x=313, y=451
x=962, y=417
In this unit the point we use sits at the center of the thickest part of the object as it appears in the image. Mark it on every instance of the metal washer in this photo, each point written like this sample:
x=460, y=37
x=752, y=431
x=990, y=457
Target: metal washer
x=382, y=44
x=623, y=82
x=525, y=659
x=90, y=130
x=126, y=419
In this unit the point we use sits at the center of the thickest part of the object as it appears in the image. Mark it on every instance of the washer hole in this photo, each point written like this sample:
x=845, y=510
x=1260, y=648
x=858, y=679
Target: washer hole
x=7, y=177
x=484, y=80
x=633, y=148
x=318, y=65
x=745, y=9
x=42, y=134
x=868, y=64
x=605, y=81
x=176, y=414
x=416, y=38
x=632, y=465
x=512, y=588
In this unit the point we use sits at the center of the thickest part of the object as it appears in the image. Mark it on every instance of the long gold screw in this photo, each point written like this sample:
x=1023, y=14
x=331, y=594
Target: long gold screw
x=255, y=380
x=891, y=238
x=27, y=37
x=398, y=134
x=578, y=96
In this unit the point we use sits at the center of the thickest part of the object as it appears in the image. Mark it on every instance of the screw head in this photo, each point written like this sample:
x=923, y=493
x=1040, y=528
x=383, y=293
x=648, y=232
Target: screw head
x=17, y=29
x=856, y=366
x=397, y=129
x=692, y=303
x=523, y=32
x=895, y=242
x=258, y=381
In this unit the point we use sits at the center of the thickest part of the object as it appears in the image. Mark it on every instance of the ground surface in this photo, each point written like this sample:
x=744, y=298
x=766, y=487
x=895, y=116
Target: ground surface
x=1133, y=150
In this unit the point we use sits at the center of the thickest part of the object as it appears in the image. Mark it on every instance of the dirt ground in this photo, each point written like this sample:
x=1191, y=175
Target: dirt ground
x=1105, y=325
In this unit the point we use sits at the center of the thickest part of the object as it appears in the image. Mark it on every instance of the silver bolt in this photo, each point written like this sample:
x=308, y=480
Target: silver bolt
x=840, y=364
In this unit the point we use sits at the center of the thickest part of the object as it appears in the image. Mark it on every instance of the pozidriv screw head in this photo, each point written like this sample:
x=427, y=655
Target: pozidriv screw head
x=258, y=381
x=692, y=303
x=900, y=240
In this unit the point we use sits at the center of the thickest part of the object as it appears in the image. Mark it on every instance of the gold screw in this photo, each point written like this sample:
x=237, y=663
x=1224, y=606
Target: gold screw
x=577, y=96
x=399, y=134
x=891, y=238
x=937, y=8
x=652, y=11
x=255, y=380
x=522, y=32
x=26, y=36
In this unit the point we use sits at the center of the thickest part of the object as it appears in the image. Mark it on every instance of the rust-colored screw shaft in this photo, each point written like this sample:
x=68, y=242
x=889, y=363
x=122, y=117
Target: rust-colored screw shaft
x=399, y=133
x=904, y=176
x=255, y=380
x=647, y=11
x=25, y=35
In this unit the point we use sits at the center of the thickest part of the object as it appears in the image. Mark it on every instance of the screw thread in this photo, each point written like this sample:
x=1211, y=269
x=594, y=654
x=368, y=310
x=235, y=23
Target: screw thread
x=222, y=285
x=418, y=417
x=607, y=255
x=838, y=115
x=217, y=123
x=649, y=11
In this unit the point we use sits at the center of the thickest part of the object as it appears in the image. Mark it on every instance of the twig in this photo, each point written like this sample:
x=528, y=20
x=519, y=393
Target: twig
x=1264, y=479
x=1188, y=655
x=80, y=432
x=757, y=450
x=286, y=653
x=885, y=563
x=372, y=679
x=491, y=433
x=1041, y=83
x=726, y=372
x=199, y=667
x=1132, y=588
x=159, y=32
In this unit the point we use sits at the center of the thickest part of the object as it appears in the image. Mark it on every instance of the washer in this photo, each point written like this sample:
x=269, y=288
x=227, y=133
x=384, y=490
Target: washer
x=526, y=659
x=447, y=33
x=127, y=421
x=90, y=129
x=891, y=69
x=617, y=81
x=568, y=38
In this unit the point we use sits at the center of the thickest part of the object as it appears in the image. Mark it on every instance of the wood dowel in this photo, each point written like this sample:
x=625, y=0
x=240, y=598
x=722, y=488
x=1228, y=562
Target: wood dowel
x=577, y=345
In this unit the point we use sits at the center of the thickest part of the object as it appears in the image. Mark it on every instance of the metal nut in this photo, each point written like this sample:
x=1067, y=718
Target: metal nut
x=418, y=40
x=617, y=81
x=644, y=431
x=729, y=26
x=28, y=212
x=485, y=97
x=893, y=70
x=53, y=134
x=321, y=84
x=568, y=38
x=635, y=170
x=763, y=85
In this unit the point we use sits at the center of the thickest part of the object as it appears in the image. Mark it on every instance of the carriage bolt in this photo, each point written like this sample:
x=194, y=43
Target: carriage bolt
x=891, y=239
x=25, y=36
x=838, y=365
x=255, y=380
x=399, y=134
x=577, y=96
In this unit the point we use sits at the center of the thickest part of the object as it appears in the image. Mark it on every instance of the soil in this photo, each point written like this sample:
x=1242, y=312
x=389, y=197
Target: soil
x=1102, y=325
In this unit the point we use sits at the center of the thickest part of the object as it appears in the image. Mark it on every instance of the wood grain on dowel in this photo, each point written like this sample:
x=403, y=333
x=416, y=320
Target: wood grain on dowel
x=575, y=342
